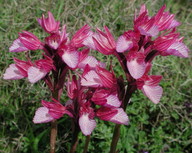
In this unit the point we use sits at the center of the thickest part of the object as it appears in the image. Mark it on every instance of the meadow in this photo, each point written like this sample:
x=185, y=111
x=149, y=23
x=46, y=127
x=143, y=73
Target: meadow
x=165, y=127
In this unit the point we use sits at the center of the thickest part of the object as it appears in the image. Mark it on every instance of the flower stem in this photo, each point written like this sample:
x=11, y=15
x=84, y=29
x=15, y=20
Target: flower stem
x=86, y=143
x=53, y=136
x=74, y=142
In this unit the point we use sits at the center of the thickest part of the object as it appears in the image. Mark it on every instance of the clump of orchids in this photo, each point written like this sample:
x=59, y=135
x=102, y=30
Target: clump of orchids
x=94, y=91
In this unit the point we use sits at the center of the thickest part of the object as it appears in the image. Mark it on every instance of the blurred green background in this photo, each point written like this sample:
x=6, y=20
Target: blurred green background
x=165, y=127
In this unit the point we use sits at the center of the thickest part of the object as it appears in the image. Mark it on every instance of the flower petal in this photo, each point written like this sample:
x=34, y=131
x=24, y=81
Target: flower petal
x=178, y=49
x=86, y=124
x=12, y=73
x=120, y=118
x=71, y=58
x=136, y=69
x=17, y=46
x=154, y=93
x=42, y=115
x=123, y=44
x=35, y=74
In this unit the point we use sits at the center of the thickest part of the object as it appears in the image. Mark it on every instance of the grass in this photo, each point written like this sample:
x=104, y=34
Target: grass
x=166, y=127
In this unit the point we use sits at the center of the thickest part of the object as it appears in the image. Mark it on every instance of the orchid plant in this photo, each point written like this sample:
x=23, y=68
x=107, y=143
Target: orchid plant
x=94, y=91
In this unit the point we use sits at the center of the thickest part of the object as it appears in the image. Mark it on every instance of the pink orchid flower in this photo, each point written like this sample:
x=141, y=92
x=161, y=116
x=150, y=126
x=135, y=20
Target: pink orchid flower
x=149, y=86
x=50, y=111
x=106, y=98
x=104, y=42
x=115, y=115
x=49, y=24
x=86, y=121
x=99, y=77
x=26, y=41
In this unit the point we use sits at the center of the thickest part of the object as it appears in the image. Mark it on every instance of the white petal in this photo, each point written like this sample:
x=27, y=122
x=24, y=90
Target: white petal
x=17, y=46
x=136, y=69
x=42, y=115
x=86, y=124
x=120, y=118
x=178, y=49
x=35, y=74
x=91, y=79
x=154, y=93
x=113, y=100
x=123, y=44
x=71, y=58
x=12, y=73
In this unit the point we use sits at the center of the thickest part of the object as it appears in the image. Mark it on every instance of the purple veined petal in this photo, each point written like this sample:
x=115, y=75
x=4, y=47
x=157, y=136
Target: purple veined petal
x=91, y=79
x=174, y=24
x=12, y=73
x=113, y=101
x=86, y=124
x=89, y=40
x=123, y=44
x=42, y=116
x=154, y=93
x=35, y=74
x=153, y=31
x=90, y=60
x=17, y=46
x=136, y=69
x=178, y=49
x=120, y=118
x=71, y=58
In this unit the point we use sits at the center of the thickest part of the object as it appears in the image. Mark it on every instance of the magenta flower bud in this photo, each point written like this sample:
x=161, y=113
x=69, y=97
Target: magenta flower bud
x=79, y=37
x=29, y=40
x=49, y=24
x=104, y=42
x=72, y=88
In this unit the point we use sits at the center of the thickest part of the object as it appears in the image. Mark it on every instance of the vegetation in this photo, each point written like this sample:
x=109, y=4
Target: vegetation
x=165, y=127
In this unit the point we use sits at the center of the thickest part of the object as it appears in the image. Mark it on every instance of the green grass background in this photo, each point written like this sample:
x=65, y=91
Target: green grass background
x=166, y=127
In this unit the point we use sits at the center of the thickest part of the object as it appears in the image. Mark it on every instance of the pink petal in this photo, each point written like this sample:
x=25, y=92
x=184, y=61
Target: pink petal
x=123, y=44
x=90, y=60
x=35, y=74
x=136, y=69
x=12, y=73
x=91, y=79
x=120, y=118
x=86, y=124
x=71, y=58
x=42, y=115
x=154, y=93
x=89, y=40
x=153, y=31
x=178, y=49
x=113, y=100
x=17, y=46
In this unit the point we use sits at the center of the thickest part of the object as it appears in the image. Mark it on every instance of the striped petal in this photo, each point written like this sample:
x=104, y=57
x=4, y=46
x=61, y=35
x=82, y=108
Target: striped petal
x=35, y=74
x=123, y=44
x=154, y=93
x=71, y=58
x=17, y=46
x=12, y=73
x=86, y=124
x=42, y=115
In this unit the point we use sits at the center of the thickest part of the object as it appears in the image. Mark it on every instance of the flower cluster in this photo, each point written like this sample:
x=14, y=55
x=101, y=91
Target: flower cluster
x=96, y=92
